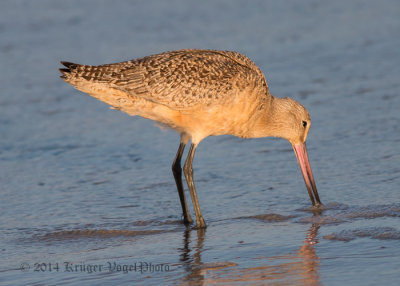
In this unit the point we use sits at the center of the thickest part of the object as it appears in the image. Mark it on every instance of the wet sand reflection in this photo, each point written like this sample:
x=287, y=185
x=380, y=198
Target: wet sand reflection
x=300, y=268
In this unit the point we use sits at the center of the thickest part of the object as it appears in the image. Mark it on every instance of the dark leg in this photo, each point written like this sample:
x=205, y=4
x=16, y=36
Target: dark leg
x=188, y=171
x=177, y=171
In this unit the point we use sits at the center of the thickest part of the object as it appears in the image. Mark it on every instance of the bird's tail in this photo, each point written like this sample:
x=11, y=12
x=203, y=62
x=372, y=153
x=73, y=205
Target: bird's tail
x=87, y=78
x=97, y=81
x=75, y=73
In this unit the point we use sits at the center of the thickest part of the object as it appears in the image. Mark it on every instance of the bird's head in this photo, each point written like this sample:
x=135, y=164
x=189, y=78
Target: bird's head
x=290, y=120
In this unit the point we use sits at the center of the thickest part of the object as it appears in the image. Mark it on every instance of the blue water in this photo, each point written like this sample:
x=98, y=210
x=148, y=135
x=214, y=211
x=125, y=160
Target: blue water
x=82, y=185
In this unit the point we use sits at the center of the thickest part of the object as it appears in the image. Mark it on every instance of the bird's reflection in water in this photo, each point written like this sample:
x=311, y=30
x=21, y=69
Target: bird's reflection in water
x=192, y=261
x=300, y=268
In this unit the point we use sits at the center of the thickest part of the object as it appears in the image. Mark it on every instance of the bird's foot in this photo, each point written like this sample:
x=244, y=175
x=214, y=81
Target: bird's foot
x=200, y=223
x=318, y=208
x=187, y=220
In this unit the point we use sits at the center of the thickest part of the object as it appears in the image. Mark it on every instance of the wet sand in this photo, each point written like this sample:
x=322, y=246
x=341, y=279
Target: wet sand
x=88, y=196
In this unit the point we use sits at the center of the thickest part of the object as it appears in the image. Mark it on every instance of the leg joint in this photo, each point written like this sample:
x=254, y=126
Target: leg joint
x=176, y=168
x=187, y=168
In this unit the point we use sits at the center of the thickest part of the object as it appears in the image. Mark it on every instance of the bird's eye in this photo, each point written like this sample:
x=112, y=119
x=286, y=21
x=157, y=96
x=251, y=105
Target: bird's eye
x=304, y=123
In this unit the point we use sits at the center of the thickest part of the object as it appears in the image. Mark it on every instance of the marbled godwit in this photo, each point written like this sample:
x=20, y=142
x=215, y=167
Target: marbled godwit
x=199, y=93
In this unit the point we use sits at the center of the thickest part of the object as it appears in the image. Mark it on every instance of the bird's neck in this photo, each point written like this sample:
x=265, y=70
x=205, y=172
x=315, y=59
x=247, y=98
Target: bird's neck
x=271, y=119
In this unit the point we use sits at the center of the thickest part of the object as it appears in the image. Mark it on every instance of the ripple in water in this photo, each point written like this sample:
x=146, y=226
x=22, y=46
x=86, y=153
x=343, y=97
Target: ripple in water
x=96, y=233
x=339, y=213
x=373, y=232
x=270, y=217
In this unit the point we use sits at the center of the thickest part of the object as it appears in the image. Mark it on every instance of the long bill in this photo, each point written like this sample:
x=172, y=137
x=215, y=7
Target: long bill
x=302, y=157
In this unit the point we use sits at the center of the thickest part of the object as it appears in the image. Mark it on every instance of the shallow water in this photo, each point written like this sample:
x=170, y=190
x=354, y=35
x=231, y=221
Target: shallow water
x=87, y=192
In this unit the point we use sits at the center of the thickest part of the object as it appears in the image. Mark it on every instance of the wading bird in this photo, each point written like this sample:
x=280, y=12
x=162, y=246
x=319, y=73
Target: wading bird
x=199, y=93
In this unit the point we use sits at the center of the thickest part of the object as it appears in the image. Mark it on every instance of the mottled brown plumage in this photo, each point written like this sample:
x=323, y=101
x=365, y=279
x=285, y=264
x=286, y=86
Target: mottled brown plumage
x=198, y=93
x=178, y=79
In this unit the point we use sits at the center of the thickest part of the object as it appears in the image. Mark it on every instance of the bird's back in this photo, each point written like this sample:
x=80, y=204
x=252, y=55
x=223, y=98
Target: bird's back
x=178, y=79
